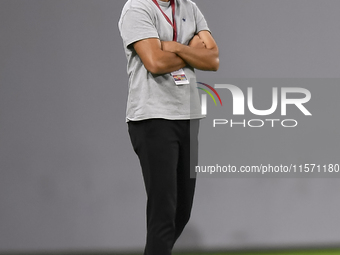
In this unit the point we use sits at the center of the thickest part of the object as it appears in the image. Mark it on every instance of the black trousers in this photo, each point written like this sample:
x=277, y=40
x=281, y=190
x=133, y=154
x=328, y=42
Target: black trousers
x=167, y=149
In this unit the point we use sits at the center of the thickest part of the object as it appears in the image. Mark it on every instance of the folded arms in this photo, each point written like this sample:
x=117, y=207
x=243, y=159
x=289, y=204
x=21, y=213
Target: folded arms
x=161, y=57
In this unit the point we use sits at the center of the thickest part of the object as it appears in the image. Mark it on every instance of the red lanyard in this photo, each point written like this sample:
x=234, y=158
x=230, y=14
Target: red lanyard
x=173, y=24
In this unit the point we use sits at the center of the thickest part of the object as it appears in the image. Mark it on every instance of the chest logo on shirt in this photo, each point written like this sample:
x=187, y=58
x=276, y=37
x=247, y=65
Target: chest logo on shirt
x=184, y=20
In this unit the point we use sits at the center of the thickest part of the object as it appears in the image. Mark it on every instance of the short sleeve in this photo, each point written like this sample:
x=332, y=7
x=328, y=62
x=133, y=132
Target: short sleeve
x=201, y=23
x=136, y=25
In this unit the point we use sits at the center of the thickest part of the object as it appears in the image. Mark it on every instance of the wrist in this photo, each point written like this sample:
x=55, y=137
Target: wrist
x=178, y=48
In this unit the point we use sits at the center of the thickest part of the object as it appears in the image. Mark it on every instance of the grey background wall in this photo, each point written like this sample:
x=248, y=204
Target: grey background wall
x=69, y=177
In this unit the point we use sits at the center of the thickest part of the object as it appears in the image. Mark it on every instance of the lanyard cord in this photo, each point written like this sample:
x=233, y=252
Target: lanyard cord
x=173, y=23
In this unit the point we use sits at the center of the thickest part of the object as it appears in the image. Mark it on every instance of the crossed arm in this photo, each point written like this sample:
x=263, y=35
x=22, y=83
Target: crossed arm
x=165, y=57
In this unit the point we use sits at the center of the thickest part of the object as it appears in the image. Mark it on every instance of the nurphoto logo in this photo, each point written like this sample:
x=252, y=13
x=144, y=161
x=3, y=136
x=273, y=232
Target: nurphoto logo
x=239, y=105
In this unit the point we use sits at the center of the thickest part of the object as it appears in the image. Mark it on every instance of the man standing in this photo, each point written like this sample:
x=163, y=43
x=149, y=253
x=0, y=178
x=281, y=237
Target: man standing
x=165, y=40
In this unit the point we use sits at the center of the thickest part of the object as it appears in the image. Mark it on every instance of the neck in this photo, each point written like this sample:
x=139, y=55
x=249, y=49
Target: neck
x=165, y=0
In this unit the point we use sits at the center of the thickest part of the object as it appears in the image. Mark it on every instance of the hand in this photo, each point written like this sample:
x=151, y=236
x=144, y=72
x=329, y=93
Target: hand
x=197, y=43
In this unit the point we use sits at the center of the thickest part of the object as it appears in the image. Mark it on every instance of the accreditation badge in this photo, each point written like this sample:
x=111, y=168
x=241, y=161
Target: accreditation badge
x=180, y=78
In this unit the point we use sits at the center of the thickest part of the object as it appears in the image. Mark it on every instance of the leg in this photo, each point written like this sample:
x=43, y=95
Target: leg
x=188, y=159
x=157, y=146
